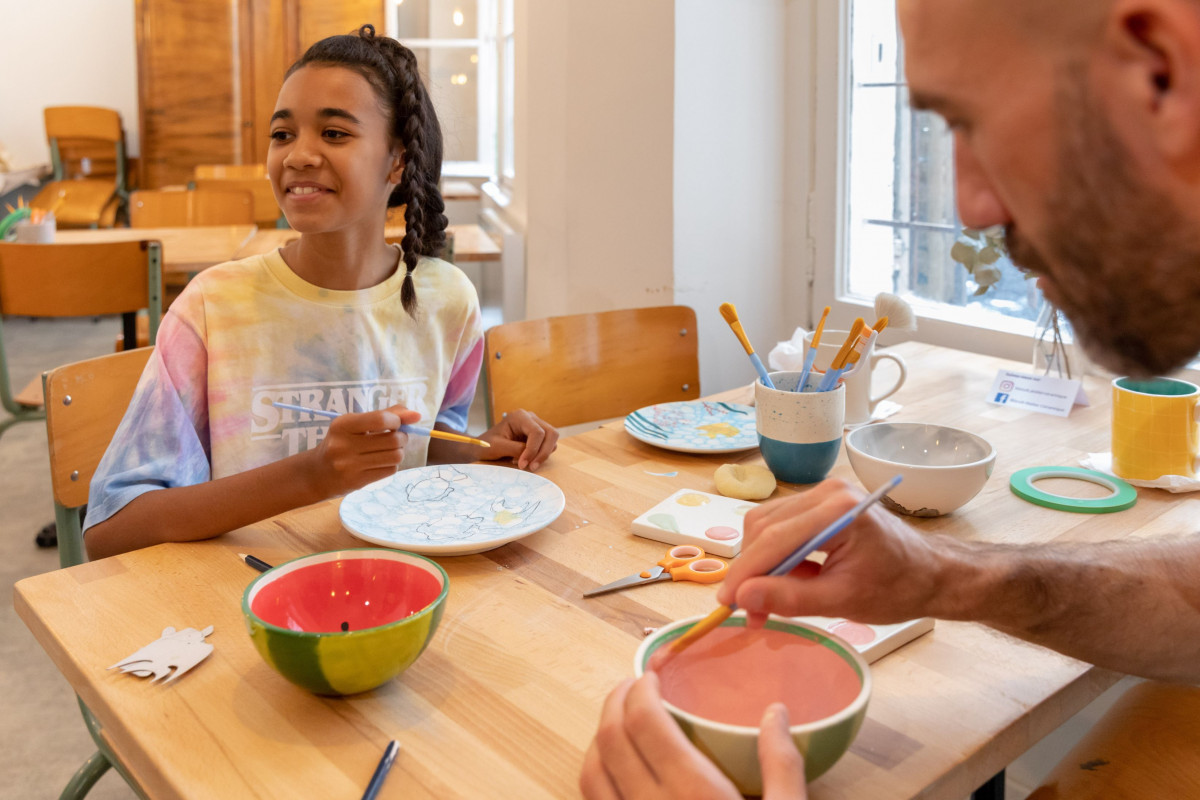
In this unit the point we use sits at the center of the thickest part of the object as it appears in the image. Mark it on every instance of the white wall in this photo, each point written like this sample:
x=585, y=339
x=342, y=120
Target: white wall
x=593, y=154
x=64, y=52
x=729, y=179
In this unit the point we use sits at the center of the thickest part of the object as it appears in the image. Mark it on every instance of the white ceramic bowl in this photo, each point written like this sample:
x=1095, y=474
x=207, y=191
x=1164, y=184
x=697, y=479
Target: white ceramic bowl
x=942, y=467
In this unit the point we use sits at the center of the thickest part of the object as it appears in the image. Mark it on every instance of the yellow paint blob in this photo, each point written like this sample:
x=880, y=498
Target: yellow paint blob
x=715, y=429
x=504, y=517
x=692, y=500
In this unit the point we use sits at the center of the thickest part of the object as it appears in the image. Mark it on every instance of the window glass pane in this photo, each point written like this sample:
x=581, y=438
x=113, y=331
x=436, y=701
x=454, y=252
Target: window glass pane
x=902, y=221
x=437, y=19
x=452, y=75
x=508, y=108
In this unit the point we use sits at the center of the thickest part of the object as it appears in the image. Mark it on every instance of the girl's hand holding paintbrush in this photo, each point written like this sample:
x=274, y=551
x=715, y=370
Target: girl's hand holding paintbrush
x=877, y=570
x=359, y=449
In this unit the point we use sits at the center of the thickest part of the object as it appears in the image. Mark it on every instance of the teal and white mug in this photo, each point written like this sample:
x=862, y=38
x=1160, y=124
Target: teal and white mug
x=799, y=433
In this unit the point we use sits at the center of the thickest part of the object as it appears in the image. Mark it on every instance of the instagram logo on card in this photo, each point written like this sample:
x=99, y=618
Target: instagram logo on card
x=1006, y=386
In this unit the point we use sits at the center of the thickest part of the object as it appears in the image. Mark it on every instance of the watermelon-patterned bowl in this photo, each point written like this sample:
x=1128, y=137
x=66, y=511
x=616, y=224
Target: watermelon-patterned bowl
x=345, y=621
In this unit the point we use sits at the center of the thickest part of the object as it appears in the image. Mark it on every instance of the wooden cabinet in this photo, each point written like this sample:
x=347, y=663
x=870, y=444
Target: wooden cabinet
x=209, y=72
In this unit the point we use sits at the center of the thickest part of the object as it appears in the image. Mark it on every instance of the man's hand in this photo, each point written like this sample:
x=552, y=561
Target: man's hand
x=639, y=752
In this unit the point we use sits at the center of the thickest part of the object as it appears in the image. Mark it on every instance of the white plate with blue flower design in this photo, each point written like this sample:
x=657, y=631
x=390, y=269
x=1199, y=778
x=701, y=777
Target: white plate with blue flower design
x=452, y=509
x=695, y=426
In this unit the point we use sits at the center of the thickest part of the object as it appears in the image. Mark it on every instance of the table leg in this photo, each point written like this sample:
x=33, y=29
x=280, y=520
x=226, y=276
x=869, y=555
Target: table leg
x=993, y=789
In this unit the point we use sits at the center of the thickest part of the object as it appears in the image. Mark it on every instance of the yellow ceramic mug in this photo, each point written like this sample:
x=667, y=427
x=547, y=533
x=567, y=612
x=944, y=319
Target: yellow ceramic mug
x=1154, y=430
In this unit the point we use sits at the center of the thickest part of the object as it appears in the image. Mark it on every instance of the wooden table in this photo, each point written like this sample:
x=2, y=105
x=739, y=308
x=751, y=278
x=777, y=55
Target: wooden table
x=186, y=250
x=506, y=698
x=471, y=242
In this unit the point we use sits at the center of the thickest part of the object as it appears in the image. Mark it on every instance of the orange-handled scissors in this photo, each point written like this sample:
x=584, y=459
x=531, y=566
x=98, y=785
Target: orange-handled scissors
x=684, y=562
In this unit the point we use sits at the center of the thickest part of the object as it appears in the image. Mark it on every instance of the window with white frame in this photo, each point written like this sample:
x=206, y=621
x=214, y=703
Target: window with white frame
x=899, y=185
x=464, y=48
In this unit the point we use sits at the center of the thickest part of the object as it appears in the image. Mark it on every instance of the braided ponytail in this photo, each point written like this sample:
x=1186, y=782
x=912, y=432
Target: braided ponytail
x=392, y=71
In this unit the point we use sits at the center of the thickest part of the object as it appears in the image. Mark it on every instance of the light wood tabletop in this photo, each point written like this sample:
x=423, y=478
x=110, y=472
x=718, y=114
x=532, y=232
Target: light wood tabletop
x=506, y=698
x=471, y=242
x=185, y=249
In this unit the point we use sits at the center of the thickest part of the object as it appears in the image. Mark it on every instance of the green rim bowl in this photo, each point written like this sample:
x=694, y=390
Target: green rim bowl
x=345, y=621
x=734, y=748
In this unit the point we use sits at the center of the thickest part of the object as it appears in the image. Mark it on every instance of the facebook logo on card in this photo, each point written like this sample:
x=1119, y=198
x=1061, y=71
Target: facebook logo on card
x=1002, y=397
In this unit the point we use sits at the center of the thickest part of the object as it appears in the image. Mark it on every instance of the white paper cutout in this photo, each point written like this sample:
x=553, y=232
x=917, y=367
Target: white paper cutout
x=179, y=649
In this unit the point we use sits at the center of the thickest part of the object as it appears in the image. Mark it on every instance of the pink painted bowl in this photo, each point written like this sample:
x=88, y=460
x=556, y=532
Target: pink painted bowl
x=346, y=621
x=734, y=748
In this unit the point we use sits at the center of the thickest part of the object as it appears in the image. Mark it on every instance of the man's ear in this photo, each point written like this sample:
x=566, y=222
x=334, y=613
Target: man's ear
x=1155, y=73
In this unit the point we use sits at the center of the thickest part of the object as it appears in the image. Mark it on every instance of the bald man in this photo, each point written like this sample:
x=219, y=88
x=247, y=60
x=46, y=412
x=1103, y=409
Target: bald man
x=1076, y=126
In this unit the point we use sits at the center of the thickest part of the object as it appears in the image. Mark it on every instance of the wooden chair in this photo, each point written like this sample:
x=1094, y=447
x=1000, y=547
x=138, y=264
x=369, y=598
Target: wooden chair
x=74, y=280
x=84, y=404
x=266, y=210
x=1145, y=747
x=175, y=207
x=586, y=367
x=87, y=150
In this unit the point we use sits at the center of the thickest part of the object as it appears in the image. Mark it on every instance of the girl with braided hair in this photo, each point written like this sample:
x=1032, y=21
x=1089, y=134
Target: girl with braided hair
x=337, y=320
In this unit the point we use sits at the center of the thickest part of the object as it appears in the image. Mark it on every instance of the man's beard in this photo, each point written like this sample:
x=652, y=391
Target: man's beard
x=1123, y=261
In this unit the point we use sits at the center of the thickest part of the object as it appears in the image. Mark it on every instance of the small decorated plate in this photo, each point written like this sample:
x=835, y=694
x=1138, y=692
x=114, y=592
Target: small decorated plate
x=695, y=426
x=452, y=509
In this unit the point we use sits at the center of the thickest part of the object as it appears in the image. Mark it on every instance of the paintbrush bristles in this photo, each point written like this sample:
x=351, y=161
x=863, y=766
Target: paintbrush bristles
x=899, y=313
x=731, y=316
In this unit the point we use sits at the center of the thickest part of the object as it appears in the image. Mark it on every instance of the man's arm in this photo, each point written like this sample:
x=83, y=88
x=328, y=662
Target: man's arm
x=1130, y=606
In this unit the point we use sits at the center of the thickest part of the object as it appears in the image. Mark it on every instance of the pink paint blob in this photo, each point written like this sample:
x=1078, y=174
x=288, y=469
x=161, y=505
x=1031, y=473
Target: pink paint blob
x=722, y=533
x=853, y=632
x=733, y=673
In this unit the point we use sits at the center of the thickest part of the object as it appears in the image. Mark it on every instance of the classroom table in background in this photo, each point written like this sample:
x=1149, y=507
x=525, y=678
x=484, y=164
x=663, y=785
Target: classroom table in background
x=471, y=242
x=505, y=700
x=186, y=250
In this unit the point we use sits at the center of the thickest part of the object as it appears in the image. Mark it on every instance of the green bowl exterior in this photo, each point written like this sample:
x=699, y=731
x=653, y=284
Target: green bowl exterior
x=349, y=663
x=352, y=662
x=735, y=749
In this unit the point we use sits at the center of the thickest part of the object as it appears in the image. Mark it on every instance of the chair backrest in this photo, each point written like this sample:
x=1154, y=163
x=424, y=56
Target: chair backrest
x=85, y=402
x=586, y=367
x=78, y=280
x=174, y=207
x=76, y=133
x=266, y=210
x=224, y=171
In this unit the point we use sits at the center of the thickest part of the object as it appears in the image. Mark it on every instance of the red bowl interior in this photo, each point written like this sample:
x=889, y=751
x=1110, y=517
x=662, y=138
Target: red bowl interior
x=345, y=595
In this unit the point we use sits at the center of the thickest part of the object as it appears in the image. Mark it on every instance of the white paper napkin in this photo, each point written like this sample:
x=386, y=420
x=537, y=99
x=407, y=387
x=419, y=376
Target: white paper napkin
x=789, y=356
x=1102, y=462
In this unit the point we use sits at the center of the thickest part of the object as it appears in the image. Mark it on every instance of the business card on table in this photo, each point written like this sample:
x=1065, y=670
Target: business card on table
x=1041, y=393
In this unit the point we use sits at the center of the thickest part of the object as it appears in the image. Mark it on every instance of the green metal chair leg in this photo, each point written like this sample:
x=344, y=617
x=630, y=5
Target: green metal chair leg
x=85, y=777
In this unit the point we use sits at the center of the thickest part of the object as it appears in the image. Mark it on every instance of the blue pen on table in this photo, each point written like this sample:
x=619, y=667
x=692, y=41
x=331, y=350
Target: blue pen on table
x=802, y=552
x=412, y=430
x=729, y=312
x=381, y=771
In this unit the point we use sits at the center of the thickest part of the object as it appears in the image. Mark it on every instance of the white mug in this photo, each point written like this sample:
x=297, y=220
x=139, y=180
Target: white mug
x=35, y=233
x=860, y=403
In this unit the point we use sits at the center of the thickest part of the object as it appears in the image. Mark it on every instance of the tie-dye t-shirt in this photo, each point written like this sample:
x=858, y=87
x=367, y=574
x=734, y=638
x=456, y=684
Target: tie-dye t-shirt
x=248, y=333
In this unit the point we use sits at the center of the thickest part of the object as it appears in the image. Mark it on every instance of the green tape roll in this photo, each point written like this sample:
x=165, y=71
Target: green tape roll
x=1123, y=495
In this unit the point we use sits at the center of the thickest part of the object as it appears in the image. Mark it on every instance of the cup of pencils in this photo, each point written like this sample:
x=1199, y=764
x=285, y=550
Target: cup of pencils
x=799, y=432
x=38, y=229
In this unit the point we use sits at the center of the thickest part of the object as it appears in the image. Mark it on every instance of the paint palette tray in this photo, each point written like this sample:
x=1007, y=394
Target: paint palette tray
x=873, y=642
x=711, y=522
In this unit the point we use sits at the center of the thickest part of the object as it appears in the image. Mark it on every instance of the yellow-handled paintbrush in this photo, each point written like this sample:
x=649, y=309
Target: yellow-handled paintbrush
x=729, y=312
x=414, y=430
x=802, y=552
